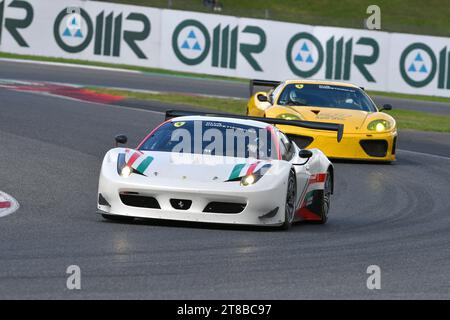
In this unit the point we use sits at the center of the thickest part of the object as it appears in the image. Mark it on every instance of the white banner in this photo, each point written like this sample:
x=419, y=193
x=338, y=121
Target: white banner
x=84, y=30
x=224, y=45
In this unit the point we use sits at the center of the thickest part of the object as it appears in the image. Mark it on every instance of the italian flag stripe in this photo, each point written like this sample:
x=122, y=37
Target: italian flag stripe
x=252, y=168
x=236, y=171
x=133, y=159
x=144, y=164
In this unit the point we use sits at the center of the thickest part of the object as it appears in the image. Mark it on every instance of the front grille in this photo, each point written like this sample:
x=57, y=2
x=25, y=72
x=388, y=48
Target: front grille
x=181, y=204
x=301, y=141
x=134, y=200
x=375, y=148
x=225, y=207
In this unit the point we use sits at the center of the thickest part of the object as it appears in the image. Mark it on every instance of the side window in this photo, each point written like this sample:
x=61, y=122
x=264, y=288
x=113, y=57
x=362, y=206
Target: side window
x=286, y=147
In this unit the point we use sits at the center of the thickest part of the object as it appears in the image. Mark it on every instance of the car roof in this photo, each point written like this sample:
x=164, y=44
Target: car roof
x=324, y=82
x=251, y=123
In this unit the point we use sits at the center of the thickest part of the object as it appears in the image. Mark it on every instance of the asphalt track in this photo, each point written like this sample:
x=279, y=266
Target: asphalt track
x=159, y=82
x=394, y=216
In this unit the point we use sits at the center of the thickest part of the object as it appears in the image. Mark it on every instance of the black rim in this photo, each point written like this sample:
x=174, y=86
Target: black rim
x=290, y=199
x=326, y=195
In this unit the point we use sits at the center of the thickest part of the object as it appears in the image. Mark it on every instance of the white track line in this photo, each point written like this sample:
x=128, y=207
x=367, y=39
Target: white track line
x=70, y=65
x=14, y=205
x=425, y=154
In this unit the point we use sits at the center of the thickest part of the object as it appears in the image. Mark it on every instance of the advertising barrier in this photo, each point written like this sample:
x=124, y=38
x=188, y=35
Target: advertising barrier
x=224, y=45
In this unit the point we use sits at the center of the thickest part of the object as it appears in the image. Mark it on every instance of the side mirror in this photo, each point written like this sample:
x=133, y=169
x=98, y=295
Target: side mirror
x=121, y=139
x=386, y=107
x=305, y=154
x=262, y=98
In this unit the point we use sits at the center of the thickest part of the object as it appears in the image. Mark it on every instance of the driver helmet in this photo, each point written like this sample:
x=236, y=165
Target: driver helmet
x=295, y=97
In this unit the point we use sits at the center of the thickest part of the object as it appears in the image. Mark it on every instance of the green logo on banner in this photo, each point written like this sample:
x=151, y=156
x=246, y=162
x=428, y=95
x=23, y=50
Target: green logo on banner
x=418, y=65
x=305, y=56
x=192, y=43
x=74, y=32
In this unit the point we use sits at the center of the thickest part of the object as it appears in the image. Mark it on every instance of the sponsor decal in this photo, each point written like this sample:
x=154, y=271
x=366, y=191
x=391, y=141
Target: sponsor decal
x=243, y=169
x=315, y=182
x=179, y=124
x=192, y=43
x=138, y=161
x=305, y=56
x=333, y=116
x=14, y=25
x=145, y=163
x=74, y=32
x=419, y=65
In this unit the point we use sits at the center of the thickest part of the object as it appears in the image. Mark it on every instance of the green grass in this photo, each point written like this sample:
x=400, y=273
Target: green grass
x=409, y=96
x=421, y=121
x=406, y=119
x=411, y=16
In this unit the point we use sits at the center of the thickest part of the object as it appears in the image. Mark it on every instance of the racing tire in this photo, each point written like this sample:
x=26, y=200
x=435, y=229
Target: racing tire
x=291, y=195
x=322, y=201
x=113, y=217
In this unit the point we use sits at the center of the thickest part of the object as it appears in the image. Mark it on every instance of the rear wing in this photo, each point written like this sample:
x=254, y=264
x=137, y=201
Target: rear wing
x=262, y=83
x=338, y=128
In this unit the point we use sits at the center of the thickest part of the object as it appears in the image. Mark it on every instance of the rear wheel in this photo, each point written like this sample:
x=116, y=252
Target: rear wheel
x=289, y=209
x=322, y=200
x=113, y=217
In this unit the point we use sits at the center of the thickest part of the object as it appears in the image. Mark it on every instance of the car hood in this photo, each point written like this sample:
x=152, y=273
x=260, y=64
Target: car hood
x=193, y=167
x=353, y=120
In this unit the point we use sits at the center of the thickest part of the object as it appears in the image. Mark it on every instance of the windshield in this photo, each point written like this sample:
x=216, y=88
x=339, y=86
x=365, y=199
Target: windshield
x=317, y=95
x=212, y=138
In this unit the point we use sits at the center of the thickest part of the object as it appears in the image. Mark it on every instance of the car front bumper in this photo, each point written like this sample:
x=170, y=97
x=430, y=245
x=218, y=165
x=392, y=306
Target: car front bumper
x=357, y=146
x=264, y=202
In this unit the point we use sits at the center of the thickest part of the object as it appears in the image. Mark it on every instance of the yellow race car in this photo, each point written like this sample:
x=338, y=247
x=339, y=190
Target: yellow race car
x=369, y=134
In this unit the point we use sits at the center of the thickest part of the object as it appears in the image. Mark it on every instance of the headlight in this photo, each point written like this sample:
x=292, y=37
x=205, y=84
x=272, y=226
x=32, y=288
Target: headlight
x=126, y=171
x=379, y=125
x=288, y=116
x=248, y=180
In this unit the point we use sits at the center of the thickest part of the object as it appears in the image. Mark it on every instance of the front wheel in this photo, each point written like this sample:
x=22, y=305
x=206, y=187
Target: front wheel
x=289, y=209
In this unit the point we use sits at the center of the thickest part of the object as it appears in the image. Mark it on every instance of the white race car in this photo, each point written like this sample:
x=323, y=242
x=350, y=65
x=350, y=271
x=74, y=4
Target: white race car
x=217, y=168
